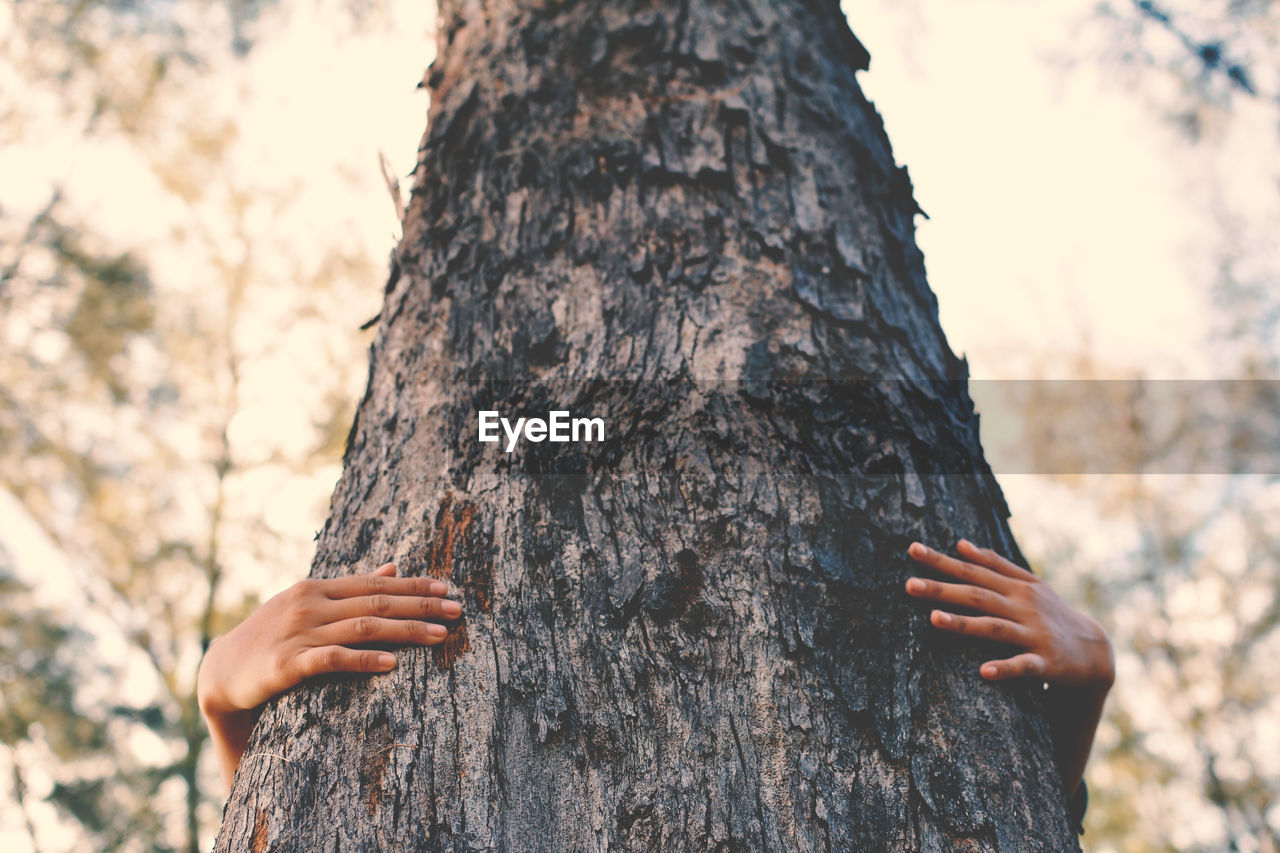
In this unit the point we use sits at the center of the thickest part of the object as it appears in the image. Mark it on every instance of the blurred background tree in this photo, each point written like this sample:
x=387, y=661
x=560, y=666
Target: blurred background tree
x=193, y=228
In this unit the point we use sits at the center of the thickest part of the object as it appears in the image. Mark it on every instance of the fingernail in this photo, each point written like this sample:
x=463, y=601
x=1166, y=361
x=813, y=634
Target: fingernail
x=451, y=608
x=386, y=661
x=943, y=618
x=915, y=585
x=989, y=670
x=923, y=548
x=439, y=588
x=437, y=630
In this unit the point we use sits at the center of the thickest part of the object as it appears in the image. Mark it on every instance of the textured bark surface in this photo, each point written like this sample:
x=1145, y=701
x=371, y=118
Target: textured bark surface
x=692, y=636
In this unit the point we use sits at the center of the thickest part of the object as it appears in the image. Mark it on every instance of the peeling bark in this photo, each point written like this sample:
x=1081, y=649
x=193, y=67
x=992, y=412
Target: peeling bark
x=686, y=219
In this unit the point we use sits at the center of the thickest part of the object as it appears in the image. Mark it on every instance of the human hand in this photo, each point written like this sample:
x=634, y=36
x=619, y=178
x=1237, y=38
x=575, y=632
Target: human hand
x=306, y=630
x=1062, y=647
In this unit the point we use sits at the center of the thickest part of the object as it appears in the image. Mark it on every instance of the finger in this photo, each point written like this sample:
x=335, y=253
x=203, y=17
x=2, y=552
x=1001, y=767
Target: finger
x=958, y=569
x=386, y=571
x=992, y=560
x=374, y=629
x=1026, y=665
x=974, y=597
x=373, y=584
x=986, y=627
x=322, y=659
x=393, y=607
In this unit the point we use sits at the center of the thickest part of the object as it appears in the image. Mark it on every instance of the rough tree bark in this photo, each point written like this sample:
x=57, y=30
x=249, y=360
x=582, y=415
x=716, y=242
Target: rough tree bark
x=685, y=219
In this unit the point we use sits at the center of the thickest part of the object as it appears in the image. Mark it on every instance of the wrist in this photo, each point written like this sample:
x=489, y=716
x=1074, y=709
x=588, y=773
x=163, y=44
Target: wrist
x=230, y=727
x=1094, y=673
x=219, y=714
x=1104, y=669
x=229, y=734
x=210, y=697
x=1090, y=686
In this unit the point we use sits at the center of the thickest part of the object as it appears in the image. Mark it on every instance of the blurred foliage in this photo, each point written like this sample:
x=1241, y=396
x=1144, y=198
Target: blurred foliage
x=123, y=377
x=1195, y=60
x=1188, y=757
x=40, y=666
x=44, y=665
x=1183, y=569
x=114, y=304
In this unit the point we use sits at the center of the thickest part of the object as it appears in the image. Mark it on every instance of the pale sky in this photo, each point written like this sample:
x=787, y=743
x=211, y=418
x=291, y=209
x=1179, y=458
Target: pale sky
x=1057, y=204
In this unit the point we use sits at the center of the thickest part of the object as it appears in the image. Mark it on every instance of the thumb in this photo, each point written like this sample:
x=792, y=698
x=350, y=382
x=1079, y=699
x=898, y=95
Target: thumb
x=385, y=571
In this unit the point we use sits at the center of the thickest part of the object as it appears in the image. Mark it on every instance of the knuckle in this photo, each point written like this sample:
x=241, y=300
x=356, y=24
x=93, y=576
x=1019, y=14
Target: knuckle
x=331, y=659
x=373, y=584
x=294, y=619
x=299, y=592
x=380, y=604
x=366, y=626
x=305, y=616
x=284, y=667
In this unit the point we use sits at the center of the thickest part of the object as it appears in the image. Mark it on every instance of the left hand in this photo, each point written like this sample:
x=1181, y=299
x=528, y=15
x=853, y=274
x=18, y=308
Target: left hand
x=1062, y=646
x=308, y=630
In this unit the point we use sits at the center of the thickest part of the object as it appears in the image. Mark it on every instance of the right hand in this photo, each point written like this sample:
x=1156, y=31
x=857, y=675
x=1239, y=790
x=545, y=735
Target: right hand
x=1058, y=644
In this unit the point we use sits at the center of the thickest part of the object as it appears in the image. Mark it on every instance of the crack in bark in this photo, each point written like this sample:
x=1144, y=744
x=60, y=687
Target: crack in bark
x=749, y=779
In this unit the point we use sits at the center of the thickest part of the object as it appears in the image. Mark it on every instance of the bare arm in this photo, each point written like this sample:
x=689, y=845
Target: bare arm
x=306, y=631
x=1062, y=647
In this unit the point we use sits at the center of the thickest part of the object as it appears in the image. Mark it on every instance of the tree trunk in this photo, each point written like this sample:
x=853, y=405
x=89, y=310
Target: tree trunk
x=692, y=635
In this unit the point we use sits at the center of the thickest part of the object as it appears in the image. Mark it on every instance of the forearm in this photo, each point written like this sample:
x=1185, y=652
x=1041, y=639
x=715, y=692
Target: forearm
x=1073, y=714
x=229, y=734
x=229, y=725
